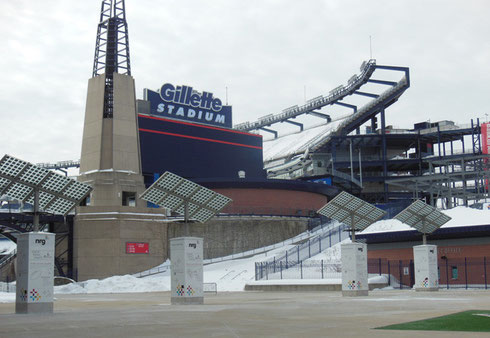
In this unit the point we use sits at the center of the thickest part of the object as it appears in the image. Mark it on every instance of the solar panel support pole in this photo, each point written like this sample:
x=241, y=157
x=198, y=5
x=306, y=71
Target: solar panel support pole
x=360, y=167
x=424, y=232
x=186, y=218
x=353, y=229
x=35, y=218
x=351, y=166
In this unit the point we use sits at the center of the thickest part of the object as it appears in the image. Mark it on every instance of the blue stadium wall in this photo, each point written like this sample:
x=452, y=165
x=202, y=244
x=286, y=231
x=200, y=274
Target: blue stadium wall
x=197, y=151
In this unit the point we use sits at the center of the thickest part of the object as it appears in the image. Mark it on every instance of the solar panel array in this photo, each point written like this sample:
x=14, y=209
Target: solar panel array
x=57, y=194
x=352, y=211
x=173, y=192
x=423, y=217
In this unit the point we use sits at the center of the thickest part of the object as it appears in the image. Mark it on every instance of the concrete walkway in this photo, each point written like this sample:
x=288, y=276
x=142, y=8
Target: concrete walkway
x=242, y=314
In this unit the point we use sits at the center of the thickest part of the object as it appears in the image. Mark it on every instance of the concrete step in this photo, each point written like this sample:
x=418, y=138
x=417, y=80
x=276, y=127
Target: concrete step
x=257, y=286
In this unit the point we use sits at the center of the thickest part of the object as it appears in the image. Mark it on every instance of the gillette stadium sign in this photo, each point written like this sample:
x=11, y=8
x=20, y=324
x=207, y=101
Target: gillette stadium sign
x=185, y=103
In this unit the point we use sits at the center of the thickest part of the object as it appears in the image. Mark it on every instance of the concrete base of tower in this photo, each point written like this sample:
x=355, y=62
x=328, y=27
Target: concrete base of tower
x=104, y=238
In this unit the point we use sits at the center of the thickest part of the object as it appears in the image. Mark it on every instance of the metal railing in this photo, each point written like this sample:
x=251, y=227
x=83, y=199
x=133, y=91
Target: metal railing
x=318, y=269
x=332, y=234
x=299, y=238
x=210, y=288
x=8, y=258
x=153, y=271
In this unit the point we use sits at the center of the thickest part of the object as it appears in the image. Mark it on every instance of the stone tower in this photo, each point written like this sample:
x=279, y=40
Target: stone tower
x=114, y=220
x=110, y=159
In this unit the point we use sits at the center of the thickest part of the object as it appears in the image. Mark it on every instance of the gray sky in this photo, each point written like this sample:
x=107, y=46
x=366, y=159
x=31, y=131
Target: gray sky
x=265, y=51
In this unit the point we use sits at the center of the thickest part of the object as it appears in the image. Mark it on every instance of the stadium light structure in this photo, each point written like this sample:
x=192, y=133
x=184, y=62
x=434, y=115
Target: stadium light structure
x=352, y=211
x=423, y=217
x=185, y=197
x=46, y=190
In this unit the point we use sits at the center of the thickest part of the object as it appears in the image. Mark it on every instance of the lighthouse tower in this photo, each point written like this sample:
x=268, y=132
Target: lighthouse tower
x=115, y=233
x=110, y=159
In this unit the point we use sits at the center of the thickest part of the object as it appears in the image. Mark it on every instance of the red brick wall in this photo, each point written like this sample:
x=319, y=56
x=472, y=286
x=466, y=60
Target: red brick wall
x=453, y=251
x=462, y=265
x=272, y=201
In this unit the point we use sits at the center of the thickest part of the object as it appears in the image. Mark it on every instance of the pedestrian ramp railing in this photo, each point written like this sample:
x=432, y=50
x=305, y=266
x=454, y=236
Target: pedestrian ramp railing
x=290, y=259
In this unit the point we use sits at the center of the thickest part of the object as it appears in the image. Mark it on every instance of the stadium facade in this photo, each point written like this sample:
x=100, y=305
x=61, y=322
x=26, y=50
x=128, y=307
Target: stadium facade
x=277, y=181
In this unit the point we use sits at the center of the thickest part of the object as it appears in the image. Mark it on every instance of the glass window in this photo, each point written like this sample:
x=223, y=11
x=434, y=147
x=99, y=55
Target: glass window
x=454, y=272
x=129, y=198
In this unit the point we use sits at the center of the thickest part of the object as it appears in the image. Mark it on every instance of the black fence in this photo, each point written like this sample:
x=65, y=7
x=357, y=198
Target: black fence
x=465, y=273
x=468, y=272
x=292, y=269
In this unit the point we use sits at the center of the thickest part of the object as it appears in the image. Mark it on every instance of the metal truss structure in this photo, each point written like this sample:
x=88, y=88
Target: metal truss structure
x=453, y=181
x=111, y=48
x=61, y=165
x=382, y=163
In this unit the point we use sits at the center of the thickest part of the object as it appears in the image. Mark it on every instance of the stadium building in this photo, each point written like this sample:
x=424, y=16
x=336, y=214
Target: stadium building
x=277, y=177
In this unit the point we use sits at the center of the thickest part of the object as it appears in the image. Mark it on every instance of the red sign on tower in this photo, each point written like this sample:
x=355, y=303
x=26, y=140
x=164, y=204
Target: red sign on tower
x=137, y=248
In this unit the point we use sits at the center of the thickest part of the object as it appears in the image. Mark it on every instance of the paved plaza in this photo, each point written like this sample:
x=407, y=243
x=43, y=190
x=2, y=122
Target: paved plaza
x=242, y=314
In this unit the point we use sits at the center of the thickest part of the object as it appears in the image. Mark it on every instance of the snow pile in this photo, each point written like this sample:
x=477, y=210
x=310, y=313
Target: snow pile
x=117, y=284
x=386, y=225
x=7, y=297
x=229, y=276
x=7, y=246
x=460, y=216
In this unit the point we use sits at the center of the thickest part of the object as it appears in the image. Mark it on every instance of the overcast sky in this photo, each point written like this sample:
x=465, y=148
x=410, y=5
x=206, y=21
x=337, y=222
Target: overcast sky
x=265, y=51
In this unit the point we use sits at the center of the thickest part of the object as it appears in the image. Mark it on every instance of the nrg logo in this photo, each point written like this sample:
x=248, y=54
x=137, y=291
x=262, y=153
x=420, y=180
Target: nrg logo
x=40, y=241
x=192, y=245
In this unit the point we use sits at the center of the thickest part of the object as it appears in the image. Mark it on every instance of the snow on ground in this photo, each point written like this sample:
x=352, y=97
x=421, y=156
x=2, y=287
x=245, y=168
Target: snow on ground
x=330, y=255
x=460, y=216
x=385, y=226
x=329, y=281
x=117, y=284
x=229, y=276
x=7, y=246
x=7, y=297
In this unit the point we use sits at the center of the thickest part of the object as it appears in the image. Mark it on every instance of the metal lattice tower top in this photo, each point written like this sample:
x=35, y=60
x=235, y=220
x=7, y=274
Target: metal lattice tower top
x=111, y=48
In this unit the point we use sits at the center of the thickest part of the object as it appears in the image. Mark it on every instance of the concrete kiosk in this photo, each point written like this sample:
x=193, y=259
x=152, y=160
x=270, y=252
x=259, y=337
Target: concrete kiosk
x=425, y=262
x=354, y=269
x=186, y=254
x=35, y=273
